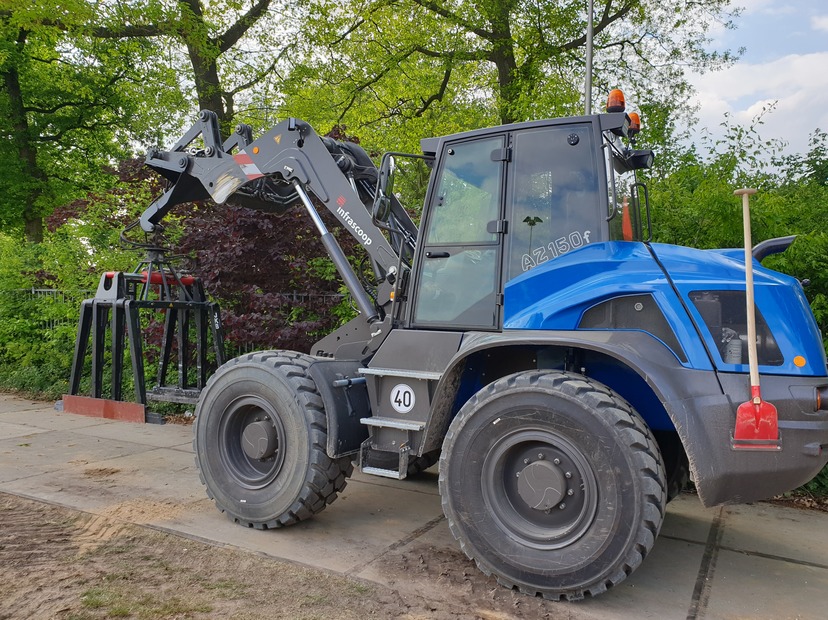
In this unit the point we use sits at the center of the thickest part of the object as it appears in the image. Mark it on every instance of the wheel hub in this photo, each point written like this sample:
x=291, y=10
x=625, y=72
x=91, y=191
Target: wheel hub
x=541, y=485
x=540, y=488
x=259, y=440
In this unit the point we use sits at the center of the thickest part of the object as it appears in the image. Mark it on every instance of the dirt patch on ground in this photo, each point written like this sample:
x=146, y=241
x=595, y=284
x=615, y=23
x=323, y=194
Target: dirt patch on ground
x=101, y=472
x=60, y=563
x=448, y=575
x=801, y=501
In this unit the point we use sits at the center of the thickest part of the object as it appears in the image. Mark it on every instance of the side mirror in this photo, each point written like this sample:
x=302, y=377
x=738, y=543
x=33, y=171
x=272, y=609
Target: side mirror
x=385, y=189
x=641, y=159
x=631, y=160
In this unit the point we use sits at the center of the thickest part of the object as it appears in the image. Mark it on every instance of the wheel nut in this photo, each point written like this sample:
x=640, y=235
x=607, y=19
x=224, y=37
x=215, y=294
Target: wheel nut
x=525, y=461
x=540, y=456
x=562, y=505
x=568, y=474
x=570, y=492
x=557, y=461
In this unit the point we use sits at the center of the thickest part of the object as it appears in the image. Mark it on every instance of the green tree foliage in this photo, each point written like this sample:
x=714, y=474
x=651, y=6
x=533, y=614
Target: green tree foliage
x=65, y=105
x=693, y=191
x=800, y=206
x=436, y=66
x=37, y=331
x=218, y=49
x=85, y=82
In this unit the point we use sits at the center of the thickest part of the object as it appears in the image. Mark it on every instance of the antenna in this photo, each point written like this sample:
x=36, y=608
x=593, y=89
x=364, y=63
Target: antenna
x=588, y=84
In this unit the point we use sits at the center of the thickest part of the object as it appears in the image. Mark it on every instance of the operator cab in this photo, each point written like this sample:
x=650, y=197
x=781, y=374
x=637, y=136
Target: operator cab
x=504, y=200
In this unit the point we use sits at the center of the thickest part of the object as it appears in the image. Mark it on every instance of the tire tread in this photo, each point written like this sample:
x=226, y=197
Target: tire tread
x=642, y=445
x=325, y=477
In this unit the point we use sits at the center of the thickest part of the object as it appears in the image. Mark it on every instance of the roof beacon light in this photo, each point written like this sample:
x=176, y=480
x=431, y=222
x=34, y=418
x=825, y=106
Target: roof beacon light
x=635, y=124
x=615, y=101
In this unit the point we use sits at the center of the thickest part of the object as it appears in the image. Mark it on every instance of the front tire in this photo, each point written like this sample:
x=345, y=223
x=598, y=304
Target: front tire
x=260, y=439
x=552, y=483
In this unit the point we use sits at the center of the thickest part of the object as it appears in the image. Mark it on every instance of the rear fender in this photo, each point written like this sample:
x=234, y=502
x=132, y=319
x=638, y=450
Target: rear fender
x=633, y=363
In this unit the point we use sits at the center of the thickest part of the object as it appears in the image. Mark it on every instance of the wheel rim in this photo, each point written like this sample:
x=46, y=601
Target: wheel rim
x=251, y=442
x=539, y=488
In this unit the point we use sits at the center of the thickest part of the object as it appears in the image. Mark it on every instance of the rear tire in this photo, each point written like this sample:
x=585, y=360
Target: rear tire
x=552, y=483
x=260, y=439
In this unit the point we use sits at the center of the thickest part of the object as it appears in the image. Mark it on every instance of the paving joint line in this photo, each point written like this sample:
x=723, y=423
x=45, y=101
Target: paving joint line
x=704, y=580
x=427, y=527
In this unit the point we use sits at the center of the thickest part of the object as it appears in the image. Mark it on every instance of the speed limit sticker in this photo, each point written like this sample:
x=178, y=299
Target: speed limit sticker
x=402, y=398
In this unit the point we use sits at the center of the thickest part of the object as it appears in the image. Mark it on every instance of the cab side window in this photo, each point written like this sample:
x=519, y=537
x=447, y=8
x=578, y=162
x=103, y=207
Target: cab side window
x=553, y=194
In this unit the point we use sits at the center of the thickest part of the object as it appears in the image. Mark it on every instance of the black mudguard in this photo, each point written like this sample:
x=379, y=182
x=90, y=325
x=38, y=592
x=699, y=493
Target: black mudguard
x=701, y=404
x=344, y=406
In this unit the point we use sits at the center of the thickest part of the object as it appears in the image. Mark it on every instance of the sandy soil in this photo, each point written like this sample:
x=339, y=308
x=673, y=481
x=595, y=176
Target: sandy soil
x=60, y=563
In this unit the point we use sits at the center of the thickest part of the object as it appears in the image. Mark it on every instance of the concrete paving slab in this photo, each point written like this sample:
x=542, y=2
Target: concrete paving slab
x=687, y=519
x=425, y=482
x=422, y=551
x=13, y=431
x=358, y=527
x=158, y=435
x=53, y=451
x=47, y=418
x=662, y=588
x=747, y=586
x=799, y=535
x=10, y=403
x=95, y=485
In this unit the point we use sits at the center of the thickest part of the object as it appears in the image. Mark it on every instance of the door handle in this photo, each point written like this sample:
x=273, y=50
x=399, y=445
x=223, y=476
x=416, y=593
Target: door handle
x=438, y=255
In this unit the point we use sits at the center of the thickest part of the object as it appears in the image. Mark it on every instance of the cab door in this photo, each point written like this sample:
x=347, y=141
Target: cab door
x=555, y=197
x=459, y=262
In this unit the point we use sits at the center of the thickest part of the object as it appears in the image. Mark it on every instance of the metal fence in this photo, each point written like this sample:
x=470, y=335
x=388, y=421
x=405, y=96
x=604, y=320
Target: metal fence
x=48, y=308
x=51, y=308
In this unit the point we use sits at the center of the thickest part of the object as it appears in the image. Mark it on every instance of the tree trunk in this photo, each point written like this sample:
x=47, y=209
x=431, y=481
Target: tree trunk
x=26, y=150
x=204, y=60
x=207, y=84
x=33, y=228
x=503, y=57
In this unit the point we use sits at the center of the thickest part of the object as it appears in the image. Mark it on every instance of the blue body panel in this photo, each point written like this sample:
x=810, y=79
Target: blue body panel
x=779, y=298
x=555, y=295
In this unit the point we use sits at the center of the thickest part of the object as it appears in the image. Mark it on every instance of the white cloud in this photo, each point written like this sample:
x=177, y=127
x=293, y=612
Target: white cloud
x=820, y=22
x=768, y=7
x=797, y=82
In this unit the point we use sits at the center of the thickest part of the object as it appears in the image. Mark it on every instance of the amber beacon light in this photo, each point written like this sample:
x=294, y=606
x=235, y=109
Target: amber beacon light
x=615, y=101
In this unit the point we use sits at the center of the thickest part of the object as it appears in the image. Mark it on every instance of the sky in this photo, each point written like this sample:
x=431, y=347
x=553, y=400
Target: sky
x=785, y=61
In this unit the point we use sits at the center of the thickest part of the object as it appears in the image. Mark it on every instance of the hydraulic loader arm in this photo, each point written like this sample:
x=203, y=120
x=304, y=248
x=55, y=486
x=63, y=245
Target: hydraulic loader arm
x=277, y=171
